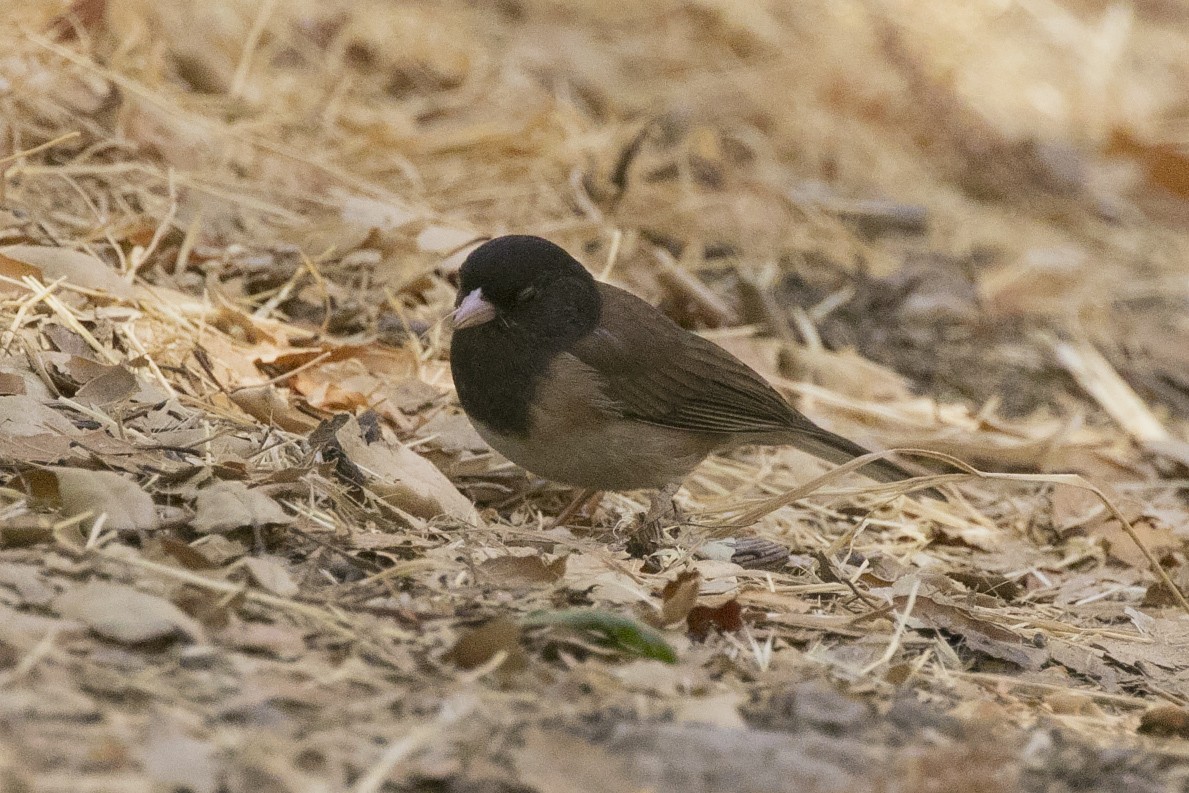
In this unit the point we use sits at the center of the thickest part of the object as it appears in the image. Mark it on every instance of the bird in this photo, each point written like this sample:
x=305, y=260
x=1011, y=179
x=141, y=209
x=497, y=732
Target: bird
x=583, y=383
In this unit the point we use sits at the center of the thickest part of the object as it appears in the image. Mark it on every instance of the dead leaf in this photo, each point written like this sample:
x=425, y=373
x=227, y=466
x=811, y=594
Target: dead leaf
x=266, y=404
x=23, y=416
x=522, y=570
x=727, y=618
x=115, y=384
x=981, y=636
x=226, y=506
x=1166, y=721
x=1165, y=164
x=403, y=478
x=176, y=551
x=678, y=598
x=79, y=268
x=1156, y=536
x=479, y=645
x=124, y=614
x=269, y=573
x=11, y=384
x=127, y=506
x=17, y=271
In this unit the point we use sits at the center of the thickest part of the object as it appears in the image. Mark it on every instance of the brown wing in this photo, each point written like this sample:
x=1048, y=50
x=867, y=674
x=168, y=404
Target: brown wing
x=658, y=373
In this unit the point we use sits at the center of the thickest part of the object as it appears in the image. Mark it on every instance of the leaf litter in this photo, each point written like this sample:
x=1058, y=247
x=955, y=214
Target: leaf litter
x=247, y=538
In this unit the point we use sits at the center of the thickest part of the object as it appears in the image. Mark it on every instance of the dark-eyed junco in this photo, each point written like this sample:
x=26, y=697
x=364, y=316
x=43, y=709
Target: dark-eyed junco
x=585, y=384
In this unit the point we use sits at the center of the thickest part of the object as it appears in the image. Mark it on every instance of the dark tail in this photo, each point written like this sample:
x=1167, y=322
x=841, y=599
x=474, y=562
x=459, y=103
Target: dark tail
x=836, y=449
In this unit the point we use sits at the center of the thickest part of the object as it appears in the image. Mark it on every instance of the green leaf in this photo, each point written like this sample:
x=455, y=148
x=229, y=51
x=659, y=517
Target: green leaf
x=614, y=629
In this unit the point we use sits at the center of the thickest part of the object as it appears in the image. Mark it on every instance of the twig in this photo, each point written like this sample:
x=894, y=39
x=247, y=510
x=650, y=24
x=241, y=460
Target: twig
x=898, y=634
x=49, y=144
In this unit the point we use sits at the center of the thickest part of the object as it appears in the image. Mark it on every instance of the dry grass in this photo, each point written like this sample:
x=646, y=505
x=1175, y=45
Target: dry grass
x=952, y=227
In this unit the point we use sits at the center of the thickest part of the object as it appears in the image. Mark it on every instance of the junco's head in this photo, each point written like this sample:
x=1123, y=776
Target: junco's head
x=526, y=285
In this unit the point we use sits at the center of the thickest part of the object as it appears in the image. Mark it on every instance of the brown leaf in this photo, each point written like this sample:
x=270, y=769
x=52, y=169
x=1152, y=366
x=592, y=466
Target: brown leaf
x=403, y=478
x=479, y=645
x=115, y=384
x=522, y=570
x=1155, y=536
x=23, y=416
x=269, y=574
x=178, y=552
x=11, y=384
x=225, y=506
x=980, y=635
x=727, y=618
x=79, y=268
x=1166, y=164
x=124, y=614
x=127, y=506
x=16, y=270
x=678, y=598
x=1166, y=721
x=266, y=404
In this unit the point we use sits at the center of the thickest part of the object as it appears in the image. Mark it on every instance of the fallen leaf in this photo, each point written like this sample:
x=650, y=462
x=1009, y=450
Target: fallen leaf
x=115, y=384
x=678, y=597
x=79, y=268
x=269, y=574
x=981, y=636
x=176, y=551
x=522, y=570
x=225, y=506
x=403, y=478
x=265, y=404
x=124, y=614
x=11, y=384
x=17, y=271
x=24, y=416
x=727, y=618
x=1166, y=721
x=479, y=645
x=127, y=506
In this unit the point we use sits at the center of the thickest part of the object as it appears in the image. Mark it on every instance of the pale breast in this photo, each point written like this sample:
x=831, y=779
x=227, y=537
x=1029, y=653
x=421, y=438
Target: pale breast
x=578, y=442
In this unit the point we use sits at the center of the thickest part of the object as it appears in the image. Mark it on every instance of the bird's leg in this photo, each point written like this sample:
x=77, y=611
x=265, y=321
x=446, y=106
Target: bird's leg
x=584, y=498
x=650, y=531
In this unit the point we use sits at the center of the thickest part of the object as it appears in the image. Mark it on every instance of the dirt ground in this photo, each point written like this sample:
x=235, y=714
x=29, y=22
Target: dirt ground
x=248, y=541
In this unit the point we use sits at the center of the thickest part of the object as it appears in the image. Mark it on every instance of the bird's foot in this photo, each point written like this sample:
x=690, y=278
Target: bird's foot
x=662, y=513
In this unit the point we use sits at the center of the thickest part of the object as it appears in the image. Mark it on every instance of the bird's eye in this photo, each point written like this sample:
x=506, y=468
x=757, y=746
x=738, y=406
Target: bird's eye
x=528, y=293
